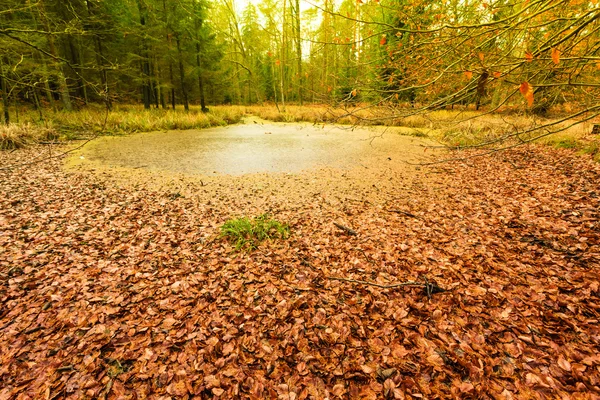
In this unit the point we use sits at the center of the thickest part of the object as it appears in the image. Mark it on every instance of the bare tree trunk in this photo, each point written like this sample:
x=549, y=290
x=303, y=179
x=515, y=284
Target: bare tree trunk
x=4, y=89
x=82, y=61
x=200, y=81
x=172, y=85
x=282, y=60
x=186, y=103
x=47, y=89
x=171, y=79
x=154, y=85
x=76, y=61
x=299, y=53
x=36, y=101
x=100, y=61
x=62, y=81
x=326, y=49
x=198, y=25
x=160, y=91
x=145, y=63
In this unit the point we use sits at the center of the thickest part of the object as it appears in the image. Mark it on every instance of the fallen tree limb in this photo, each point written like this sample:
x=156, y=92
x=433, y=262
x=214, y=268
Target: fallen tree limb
x=392, y=286
x=429, y=287
x=349, y=231
x=404, y=213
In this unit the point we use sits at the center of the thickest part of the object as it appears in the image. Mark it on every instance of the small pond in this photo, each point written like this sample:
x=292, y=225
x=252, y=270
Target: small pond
x=256, y=146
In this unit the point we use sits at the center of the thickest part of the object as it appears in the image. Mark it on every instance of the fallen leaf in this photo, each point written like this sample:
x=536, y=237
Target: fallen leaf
x=563, y=363
x=338, y=390
x=555, y=55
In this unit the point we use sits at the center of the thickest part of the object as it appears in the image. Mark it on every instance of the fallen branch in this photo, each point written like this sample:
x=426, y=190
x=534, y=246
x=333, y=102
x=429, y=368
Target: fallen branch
x=349, y=231
x=404, y=213
x=369, y=259
x=392, y=286
x=430, y=287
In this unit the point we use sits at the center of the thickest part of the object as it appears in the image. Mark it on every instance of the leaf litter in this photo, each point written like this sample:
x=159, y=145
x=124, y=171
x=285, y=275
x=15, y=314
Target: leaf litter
x=120, y=287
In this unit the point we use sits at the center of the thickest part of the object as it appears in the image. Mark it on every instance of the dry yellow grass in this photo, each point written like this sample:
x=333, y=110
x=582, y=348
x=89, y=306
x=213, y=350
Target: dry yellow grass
x=14, y=136
x=455, y=128
x=94, y=120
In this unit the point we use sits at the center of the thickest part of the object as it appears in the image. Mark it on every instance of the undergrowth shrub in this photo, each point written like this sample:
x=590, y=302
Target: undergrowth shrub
x=247, y=233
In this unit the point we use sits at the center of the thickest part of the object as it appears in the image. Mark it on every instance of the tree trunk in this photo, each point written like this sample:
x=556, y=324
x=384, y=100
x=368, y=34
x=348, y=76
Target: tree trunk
x=200, y=81
x=198, y=26
x=76, y=62
x=145, y=63
x=299, y=53
x=3, y=87
x=172, y=85
x=62, y=81
x=100, y=61
x=282, y=60
x=171, y=79
x=36, y=100
x=159, y=89
x=154, y=86
x=186, y=103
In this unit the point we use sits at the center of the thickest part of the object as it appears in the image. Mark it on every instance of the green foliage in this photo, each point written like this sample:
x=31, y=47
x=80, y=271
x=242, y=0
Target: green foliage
x=567, y=143
x=592, y=149
x=581, y=145
x=248, y=233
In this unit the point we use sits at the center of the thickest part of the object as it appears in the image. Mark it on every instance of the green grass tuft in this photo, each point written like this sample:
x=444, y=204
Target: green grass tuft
x=567, y=143
x=248, y=233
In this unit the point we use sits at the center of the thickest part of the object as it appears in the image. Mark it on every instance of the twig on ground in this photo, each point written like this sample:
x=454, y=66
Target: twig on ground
x=392, y=286
x=430, y=287
x=349, y=231
x=369, y=259
x=404, y=213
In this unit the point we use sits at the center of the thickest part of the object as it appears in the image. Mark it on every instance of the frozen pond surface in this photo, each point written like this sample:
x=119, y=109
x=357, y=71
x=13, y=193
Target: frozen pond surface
x=257, y=146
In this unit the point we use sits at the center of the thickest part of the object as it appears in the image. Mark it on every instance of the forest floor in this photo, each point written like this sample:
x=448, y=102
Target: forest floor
x=113, y=288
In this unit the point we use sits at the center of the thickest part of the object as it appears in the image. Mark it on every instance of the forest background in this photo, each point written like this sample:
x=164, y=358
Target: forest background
x=396, y=58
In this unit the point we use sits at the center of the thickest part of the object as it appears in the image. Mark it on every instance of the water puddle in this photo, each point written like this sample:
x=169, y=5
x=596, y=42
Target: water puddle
x=254, y=147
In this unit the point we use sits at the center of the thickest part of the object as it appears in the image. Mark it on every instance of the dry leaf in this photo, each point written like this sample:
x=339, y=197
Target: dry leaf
x=527, y=91
x=339, y=390
x=555, y=55
x=563, y=363
x=127, y=290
